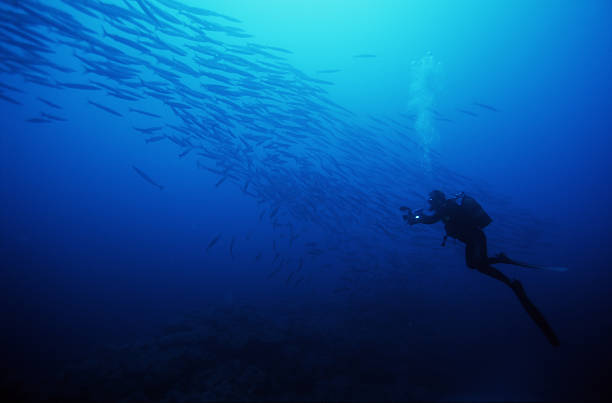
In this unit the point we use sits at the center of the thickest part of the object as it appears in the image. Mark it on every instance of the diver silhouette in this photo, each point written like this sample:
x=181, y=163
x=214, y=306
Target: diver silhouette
x=464, y=220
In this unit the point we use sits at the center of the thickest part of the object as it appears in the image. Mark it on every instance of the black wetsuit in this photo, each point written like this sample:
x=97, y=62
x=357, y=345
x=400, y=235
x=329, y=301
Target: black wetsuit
x=459, y=226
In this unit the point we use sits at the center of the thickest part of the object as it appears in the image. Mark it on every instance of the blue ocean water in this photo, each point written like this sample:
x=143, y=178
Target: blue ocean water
x=201, y=199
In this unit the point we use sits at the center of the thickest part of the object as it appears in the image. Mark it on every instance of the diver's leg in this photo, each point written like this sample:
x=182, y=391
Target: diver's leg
x=476, y=249
x=499, y=258
x=476, y=254
x=496, y=274
x=502, y=258
x=476, y=257
x=471, y=257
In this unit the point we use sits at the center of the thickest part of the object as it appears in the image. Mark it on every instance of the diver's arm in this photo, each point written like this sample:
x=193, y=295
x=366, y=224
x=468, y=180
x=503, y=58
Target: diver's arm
x=426, y=219
x=418, y=217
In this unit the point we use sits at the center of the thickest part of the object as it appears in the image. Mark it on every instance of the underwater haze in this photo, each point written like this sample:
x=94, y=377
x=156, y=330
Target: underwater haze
x=216, y=200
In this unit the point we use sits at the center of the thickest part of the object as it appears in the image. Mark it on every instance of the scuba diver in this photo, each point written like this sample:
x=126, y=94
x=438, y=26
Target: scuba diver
x=464, y=219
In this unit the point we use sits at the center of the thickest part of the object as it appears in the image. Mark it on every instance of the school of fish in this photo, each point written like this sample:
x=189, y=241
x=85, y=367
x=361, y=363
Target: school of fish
x=241, y=112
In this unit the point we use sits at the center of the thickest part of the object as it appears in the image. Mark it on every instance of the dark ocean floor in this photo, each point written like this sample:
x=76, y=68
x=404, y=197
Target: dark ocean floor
x=236, y=354
x=389, y=345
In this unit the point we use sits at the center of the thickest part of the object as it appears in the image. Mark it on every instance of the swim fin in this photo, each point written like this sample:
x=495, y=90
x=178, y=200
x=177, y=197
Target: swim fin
x=530, y=266
x=502, y=258
x=554, y=268
x=534, y=313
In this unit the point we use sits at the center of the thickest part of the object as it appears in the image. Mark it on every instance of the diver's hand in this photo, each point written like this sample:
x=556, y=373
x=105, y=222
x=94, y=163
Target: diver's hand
x=409, y=218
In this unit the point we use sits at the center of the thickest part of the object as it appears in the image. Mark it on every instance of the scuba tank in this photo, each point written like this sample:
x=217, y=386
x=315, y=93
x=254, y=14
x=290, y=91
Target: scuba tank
x=472, y=210
x=470, y=214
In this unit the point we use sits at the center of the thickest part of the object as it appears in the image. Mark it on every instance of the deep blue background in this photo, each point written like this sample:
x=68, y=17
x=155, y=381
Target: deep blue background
x=93, y=255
